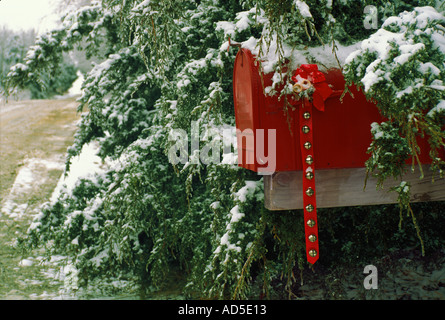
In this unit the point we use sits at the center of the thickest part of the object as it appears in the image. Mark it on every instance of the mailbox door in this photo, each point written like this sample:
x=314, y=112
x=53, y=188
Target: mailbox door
x=273, y=116
x=246, y=101
x=256, y=111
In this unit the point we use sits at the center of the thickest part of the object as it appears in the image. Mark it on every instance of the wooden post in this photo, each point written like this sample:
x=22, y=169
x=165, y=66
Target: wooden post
x=344, y=188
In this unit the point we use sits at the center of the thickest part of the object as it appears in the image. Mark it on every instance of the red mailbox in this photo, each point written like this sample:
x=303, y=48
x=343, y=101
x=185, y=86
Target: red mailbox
x=323, y=133
x=341, y=133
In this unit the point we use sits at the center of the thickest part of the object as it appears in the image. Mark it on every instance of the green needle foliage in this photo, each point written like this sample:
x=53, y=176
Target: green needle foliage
x=167, y=65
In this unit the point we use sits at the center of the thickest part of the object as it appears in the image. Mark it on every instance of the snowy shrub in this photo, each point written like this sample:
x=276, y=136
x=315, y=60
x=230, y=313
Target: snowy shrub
x=167, y=65
x=402, y=67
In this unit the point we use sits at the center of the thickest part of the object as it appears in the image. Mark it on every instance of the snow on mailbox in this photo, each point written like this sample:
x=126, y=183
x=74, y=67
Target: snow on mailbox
x=305, y=143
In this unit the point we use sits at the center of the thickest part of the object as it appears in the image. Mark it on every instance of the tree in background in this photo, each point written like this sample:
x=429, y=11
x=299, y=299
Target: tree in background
x=50, y=85
x=168, y=65
x=13, y=49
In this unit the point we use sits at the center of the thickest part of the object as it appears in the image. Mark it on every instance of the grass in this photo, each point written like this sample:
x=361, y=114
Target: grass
x=35, y=129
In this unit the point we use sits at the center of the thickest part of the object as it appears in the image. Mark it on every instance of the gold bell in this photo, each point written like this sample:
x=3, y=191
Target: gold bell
x=310, y=208
x=309, y=160
x=305, y=129
x=308, y=145
x=312, y=238
x=313, y=253
x=310, y=192
x=309, y=175
x=306, y=115
x=311, y=223
x=297, y=88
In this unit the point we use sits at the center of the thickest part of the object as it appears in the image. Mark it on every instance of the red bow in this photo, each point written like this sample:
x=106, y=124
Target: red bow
x=318, y=80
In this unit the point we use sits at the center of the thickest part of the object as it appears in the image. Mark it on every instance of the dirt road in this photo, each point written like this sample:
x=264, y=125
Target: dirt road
x=33, y=129
x=34, y=136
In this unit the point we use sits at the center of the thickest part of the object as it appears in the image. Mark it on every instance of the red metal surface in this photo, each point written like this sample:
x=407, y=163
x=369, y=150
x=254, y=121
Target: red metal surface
x=341, y=133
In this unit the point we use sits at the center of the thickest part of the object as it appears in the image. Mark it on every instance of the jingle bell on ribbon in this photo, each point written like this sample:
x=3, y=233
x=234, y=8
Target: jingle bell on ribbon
x=305, y=77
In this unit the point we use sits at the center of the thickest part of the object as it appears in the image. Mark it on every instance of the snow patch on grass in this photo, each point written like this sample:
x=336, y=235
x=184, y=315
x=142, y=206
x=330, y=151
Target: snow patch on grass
x=32, y=174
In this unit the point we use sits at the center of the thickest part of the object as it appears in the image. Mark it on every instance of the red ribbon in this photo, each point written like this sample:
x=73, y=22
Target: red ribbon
x=309, y=193
x=322, y=92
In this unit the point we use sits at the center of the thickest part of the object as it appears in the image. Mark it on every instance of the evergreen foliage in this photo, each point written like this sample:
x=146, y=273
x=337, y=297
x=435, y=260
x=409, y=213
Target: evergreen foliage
x=167, y=65
x=13, y=49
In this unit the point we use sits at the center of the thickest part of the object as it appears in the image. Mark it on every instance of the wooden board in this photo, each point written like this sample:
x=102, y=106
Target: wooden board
x=344, y=187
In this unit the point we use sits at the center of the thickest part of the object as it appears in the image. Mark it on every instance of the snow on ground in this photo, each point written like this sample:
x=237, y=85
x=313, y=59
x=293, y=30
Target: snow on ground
x=32, y=174
x=76, y=88
x=87, y=163
x=57, y=270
